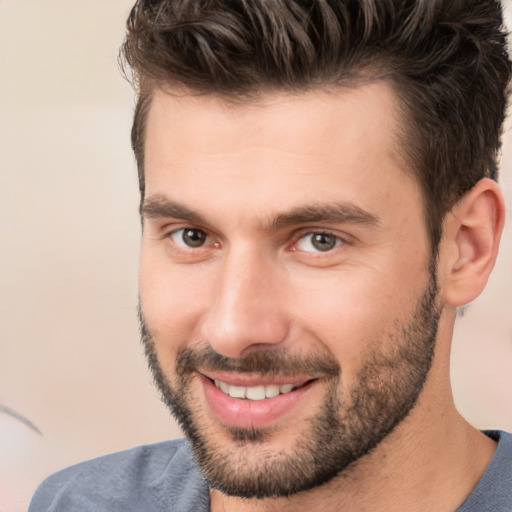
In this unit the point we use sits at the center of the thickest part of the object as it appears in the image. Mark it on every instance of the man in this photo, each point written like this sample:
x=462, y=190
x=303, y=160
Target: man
x=318, y=199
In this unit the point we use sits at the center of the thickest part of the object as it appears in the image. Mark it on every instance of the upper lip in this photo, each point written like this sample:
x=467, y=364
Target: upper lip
x=253, y=380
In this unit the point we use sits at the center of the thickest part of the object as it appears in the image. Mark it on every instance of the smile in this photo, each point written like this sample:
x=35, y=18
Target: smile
x=254, y=392
x=247, y=402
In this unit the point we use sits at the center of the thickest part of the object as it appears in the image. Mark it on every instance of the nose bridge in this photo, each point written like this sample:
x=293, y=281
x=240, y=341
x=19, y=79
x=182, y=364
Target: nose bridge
x=246, y=309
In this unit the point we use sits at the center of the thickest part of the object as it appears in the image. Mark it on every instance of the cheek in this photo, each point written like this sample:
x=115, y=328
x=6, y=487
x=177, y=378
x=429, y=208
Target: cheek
x=172, y=299
x=355, y=313
x=342, y=317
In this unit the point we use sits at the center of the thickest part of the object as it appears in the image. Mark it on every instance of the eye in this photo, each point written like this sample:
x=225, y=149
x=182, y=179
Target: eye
x=189, y=237
x=318, y=242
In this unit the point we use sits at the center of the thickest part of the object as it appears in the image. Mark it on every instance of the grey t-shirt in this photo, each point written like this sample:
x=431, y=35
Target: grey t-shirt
x=494, y=490
x=163, y=477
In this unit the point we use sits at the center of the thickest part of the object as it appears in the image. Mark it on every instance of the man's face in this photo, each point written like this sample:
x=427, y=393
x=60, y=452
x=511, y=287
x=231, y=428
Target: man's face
x=287, y=293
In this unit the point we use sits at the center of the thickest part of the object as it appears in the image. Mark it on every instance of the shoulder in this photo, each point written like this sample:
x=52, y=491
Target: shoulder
x=500, y=467
x=494, y=490
x=161, y=476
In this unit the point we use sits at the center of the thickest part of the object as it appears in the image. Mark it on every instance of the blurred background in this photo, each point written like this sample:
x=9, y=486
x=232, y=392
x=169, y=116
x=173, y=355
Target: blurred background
x=73, y=379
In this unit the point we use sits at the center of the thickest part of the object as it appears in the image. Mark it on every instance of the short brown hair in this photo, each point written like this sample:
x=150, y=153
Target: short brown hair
x=447, y=59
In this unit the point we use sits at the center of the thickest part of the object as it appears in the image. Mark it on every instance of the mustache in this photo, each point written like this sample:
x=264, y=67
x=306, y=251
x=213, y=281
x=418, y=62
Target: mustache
x=269, y=363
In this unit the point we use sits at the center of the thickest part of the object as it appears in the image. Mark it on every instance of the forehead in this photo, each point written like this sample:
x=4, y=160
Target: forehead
x=370, y=109
x=279, y=150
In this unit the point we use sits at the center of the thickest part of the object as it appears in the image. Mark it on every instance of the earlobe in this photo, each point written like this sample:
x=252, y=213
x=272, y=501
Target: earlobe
x=472, y=233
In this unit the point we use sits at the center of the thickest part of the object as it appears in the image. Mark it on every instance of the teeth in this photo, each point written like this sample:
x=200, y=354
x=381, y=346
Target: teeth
x=224, y=387
x=237, y=391
x=285, y=388
x=271, y=391
x=255, y=392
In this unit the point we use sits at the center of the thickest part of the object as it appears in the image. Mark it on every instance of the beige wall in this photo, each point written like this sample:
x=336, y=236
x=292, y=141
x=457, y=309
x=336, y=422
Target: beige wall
x=70, y=359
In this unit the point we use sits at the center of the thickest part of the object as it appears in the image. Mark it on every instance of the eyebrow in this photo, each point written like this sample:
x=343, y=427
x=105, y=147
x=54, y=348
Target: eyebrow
x=337, y=213
x=158, y=206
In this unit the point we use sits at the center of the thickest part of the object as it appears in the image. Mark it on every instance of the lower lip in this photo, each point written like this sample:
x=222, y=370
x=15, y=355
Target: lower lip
x=244, y=413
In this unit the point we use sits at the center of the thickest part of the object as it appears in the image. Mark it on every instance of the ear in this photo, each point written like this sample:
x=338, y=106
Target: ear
x=471, y=237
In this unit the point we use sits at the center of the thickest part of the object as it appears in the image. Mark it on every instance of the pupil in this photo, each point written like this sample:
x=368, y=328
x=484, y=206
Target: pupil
x=194, y=237
x=323, y=242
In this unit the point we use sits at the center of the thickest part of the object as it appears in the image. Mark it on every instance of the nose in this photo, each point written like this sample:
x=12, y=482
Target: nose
x=246, y=310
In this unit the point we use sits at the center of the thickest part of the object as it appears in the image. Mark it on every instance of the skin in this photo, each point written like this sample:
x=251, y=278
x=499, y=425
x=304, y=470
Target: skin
x=258, y=285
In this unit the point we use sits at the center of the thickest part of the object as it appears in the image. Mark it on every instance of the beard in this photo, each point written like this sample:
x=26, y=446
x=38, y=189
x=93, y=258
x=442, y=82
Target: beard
x=348, y=426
